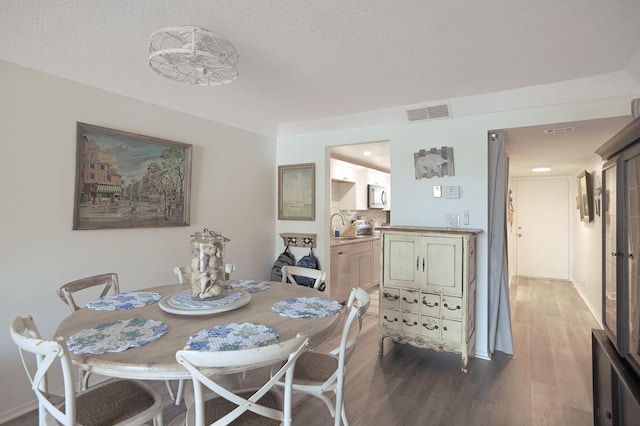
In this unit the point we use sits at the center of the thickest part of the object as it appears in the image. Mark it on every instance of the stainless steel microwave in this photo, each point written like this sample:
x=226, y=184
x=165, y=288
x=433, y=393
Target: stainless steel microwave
x=377, y=196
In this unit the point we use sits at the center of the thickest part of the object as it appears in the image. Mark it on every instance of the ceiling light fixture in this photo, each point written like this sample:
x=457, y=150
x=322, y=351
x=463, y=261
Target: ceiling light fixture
x=367, y=153
x=538, y=169
x=192, y=55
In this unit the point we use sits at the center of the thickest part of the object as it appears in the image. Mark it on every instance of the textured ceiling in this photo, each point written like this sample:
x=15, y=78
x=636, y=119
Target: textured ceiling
x=305, y=60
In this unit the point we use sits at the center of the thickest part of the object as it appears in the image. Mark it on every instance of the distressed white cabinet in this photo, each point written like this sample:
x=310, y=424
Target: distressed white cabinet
x=428, y=289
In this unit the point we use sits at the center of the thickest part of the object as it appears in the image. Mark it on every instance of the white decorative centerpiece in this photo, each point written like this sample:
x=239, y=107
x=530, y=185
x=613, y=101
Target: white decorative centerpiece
x=208, y=265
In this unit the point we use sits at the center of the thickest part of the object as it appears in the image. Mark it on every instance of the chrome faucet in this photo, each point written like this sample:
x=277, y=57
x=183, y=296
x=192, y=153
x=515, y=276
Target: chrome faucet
x=331, y=221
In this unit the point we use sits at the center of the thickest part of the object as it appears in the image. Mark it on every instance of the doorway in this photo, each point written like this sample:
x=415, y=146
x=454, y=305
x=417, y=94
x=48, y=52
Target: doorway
x=542, y=228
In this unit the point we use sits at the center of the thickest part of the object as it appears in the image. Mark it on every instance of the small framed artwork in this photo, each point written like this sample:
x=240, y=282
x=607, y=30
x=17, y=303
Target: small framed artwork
x=126, y=180
x=585, y=196
x=453, y=192
x=297, y=192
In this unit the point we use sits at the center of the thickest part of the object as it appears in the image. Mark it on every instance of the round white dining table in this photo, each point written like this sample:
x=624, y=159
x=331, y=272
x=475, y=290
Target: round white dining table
x=156, y=360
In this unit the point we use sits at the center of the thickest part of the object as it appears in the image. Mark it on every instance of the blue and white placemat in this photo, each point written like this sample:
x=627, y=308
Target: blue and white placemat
x=183, y=299
x=307, y=307
x=122, y=301
x=232, y=337
x=249, y=286
x=116, y=336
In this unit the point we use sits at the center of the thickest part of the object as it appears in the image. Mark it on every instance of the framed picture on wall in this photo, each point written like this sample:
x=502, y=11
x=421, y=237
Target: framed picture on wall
x=297, y=192
x=585, y=196
x=126, y=180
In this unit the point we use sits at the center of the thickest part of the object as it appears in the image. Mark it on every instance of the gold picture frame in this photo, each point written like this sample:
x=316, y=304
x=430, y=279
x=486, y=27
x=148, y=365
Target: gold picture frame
x=126, y=180
x=297, y=192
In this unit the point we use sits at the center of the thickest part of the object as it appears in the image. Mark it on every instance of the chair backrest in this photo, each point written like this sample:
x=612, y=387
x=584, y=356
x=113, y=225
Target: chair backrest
x=109, y=281
x=182, y=272
x=197, y=361
x=357, y=305
x=25, y=334
x=289, y=271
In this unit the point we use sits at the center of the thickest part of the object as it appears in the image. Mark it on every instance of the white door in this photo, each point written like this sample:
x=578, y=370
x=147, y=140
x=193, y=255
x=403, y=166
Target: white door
x=542, y=228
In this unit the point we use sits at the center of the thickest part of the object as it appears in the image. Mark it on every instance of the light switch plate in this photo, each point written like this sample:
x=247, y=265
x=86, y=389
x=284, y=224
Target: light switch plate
x=437, y=191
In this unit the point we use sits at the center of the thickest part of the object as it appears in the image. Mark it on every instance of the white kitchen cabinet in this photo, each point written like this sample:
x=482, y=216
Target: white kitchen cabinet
x=427, y=293
x=376, y=177
x=342, y=171
x=361, y=188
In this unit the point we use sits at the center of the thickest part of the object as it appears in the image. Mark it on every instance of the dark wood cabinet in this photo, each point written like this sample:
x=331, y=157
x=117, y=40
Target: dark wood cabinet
x=616, y=388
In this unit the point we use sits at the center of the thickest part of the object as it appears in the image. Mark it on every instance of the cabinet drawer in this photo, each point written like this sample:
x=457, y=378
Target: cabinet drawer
x=410, y=300
x=363, y=247
x=390, y=319
x=390, y=298
x=452, y=330
x=430, y=304
x=430, y=326
x=410, y=323
x=452, y=307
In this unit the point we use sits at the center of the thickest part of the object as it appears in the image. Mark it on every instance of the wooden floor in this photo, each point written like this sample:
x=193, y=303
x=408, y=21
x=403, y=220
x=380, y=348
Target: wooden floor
x=546, y=382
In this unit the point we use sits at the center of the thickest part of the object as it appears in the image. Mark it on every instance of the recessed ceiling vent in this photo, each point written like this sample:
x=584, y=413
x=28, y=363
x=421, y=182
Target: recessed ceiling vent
x=429, y=113
x=560, y=130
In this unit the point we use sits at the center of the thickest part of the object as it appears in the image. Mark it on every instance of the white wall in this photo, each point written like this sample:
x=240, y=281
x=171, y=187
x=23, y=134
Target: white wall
x=413, y=203
x=232, y=192
x=587, y=244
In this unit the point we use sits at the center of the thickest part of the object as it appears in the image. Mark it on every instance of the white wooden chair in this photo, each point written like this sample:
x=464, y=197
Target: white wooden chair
x=100, y=286
x=318, y=373
x=182, y=273
x=115, y=402
x=290, y=272
x=246, y=406
x=108, y=281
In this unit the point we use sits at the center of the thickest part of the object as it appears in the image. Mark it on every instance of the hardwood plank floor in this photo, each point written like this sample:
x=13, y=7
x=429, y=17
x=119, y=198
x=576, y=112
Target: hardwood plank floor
x=546, y=382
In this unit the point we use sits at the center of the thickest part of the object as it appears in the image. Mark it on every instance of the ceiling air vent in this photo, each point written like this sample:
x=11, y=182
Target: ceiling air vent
x=429, y=113
x=560, y=130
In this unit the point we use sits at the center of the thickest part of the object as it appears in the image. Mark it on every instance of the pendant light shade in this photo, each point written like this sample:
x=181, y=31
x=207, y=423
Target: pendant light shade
x=192, y=55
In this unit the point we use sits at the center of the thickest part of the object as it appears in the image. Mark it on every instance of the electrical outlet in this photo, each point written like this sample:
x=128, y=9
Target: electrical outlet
x=465, y=217
x=437, y=191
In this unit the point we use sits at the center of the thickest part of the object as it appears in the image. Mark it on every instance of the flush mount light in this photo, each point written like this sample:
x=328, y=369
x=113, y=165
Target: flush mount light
x=367, y=153
x=538, y=169
x=192, y=55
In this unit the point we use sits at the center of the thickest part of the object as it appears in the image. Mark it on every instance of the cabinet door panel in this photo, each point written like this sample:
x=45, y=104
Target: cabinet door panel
x=364, y=265
x=401, y=260
x=442, y=264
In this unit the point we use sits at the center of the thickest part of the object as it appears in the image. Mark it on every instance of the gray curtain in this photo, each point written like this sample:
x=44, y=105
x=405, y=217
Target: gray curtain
x=500, y=338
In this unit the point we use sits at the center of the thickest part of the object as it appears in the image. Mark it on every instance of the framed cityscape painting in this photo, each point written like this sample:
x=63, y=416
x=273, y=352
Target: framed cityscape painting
x=126, y=180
